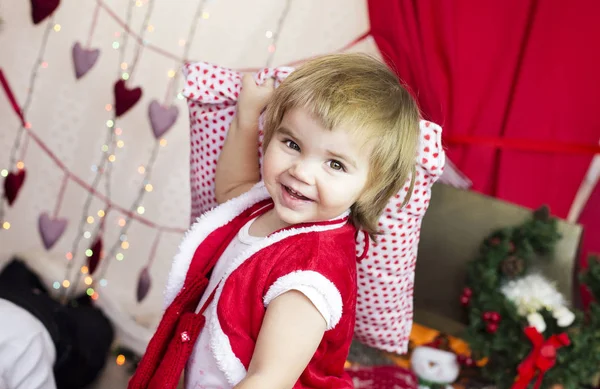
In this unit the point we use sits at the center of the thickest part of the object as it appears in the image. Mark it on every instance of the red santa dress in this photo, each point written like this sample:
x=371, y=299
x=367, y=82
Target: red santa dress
x=319, y=257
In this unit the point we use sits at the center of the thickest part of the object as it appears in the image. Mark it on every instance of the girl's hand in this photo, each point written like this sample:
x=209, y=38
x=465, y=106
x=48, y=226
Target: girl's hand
x=252, y=101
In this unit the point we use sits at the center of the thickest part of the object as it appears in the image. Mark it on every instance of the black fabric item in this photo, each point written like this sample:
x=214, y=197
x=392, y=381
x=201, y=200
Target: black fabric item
x=81, y=333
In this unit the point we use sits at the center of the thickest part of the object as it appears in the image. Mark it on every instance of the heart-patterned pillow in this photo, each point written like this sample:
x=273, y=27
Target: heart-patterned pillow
x=386, y=275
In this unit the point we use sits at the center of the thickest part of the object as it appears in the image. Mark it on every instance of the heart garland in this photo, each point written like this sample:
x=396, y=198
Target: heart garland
x=161, y=118
x=51, y=229
x=125, y=98
x=41, y=9
x=144, y=284
x=12, y=185
x=83, y=59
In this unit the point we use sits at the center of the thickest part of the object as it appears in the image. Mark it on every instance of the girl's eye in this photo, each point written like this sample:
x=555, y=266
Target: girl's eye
x=292, y=145
x=336, y=165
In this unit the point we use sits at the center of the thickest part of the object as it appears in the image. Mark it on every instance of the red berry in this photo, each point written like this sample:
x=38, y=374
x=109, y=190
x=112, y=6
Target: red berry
x=461, y=359
x=491, y=327
x=464, y=300
x=469, y=362
x=495, y=317
x=467, y=292
x=487, y=316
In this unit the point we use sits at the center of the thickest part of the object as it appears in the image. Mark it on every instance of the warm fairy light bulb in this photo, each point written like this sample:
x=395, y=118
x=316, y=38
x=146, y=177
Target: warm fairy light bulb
x=121, y=222
x=84, y=270
x=112, y=158
x=150, y=28
x=120, y=256
x=108, y=107
x=271, y=48
x=141, y=169
x=125, y=76
x=148, y=187
x=138, y=3
x=87, y=234
x=90, y=219
x=120, y=144
x=69, y=256
x=44, y=64
x=89, y=253
x=110, y=123
x=182, y=42
x=171, y=73
x=205, y=15
x=6, y=225
x=66, y=283
x=88, y=280
x=101, y=213
x=4, y=173
x=120, y=360
x=269, y=34
x=141, y=210
x=57, y=27
x=20, y=165
x=163, y=142
x=125, y=245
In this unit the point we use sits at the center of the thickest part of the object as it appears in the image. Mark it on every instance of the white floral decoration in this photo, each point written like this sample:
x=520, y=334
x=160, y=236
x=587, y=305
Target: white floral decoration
x=533, y=293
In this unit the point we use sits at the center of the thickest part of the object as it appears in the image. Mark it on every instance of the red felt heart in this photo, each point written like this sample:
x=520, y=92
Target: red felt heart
x=144, y=283
x=12, y=185
x=125, y=98
x=41, y=9
x=96, y=256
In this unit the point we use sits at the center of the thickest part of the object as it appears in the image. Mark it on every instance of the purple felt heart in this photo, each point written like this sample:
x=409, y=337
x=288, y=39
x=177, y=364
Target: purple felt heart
x=83, y=59
x=161, y=118
x=144, y=283
x=51, y=229
x=125, y=98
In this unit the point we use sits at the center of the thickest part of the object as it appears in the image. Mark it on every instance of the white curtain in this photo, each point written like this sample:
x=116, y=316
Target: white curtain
x=70, y=116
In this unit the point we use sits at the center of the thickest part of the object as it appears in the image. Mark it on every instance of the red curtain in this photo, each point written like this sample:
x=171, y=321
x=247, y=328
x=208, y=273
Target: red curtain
x=515, y=69
x=511, y=70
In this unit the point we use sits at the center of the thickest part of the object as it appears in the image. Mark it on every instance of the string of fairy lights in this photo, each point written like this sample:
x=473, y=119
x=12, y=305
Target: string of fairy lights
x=92, y=224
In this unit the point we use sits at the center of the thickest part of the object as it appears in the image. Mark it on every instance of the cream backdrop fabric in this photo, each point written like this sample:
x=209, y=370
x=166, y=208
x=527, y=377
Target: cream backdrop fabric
x=69, y=116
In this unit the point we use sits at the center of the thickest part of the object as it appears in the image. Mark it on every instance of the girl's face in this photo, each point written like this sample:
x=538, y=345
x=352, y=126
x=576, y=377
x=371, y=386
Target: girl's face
x=312, y=173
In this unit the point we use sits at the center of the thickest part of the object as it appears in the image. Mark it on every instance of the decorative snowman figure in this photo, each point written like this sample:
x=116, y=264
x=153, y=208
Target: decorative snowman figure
x=435, y=364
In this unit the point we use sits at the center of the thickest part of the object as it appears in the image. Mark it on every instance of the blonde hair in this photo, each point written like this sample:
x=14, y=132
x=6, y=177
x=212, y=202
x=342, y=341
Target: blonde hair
x=360, y=93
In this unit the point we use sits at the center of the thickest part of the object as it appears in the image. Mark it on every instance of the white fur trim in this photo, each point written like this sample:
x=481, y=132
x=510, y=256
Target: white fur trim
x=219, y=216
x=227, y=361
x=323, y=293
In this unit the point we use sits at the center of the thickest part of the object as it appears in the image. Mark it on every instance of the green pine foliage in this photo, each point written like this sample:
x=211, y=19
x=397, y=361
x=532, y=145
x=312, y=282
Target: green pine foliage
x=505, y=348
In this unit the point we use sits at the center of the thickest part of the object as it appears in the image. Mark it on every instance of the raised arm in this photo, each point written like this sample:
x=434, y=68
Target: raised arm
x=237, y=168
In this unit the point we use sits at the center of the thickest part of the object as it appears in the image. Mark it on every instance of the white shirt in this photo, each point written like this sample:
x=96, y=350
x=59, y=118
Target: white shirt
x=202, y=371
x=27, y=353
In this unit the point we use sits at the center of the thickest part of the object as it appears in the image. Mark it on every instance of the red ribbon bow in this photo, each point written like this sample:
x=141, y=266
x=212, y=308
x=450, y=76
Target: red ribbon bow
x=540, y=359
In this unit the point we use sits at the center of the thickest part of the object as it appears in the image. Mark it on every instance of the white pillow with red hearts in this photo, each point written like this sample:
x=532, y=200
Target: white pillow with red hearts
x=386, y=274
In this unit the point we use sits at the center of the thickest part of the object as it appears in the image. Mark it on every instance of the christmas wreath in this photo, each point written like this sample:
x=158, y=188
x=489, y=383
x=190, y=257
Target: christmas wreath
x=519, y=324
